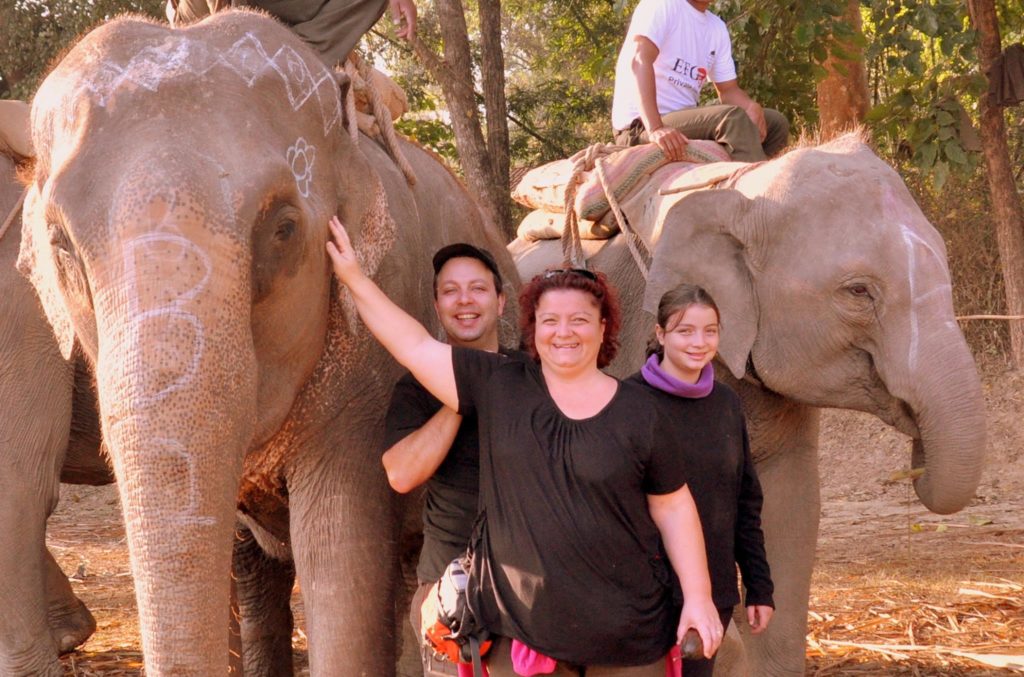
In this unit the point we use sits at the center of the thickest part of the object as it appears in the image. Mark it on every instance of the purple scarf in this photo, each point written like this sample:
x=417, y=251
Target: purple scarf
x=658, y=378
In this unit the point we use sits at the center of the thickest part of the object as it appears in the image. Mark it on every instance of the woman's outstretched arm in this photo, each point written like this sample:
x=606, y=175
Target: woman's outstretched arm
x=676, y=517
x=429, y=360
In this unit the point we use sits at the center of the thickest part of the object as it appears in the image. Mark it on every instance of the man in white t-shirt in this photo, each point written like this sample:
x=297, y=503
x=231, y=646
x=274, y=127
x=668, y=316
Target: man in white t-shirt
x=672, y=49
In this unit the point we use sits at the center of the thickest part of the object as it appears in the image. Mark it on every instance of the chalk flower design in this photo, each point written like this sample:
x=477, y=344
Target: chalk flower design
x=301, y=157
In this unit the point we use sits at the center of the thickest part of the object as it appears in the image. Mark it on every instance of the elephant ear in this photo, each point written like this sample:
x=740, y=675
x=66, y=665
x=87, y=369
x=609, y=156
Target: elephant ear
x=363, y=205
x=37, y=263
x=707, y=239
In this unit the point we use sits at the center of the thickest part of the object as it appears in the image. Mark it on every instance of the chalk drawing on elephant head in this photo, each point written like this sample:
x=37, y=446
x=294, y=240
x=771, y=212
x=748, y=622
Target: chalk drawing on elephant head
x=175, y=473
x=921, y=255
x=301, y=157
x=150, y=67
x=925, y=264
x=166, y=310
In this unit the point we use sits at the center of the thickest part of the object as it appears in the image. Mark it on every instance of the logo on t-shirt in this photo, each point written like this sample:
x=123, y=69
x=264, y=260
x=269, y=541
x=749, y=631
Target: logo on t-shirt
x=692, y=76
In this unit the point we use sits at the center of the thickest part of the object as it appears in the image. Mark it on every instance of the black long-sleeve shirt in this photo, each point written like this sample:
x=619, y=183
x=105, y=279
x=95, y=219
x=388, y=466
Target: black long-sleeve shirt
x=712, y=439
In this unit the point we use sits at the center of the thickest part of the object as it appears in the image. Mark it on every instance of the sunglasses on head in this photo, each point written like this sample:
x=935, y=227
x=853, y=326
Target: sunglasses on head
x=566, y=271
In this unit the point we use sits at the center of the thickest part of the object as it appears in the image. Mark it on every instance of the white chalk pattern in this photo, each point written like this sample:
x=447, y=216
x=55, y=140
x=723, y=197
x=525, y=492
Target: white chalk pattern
x=181, y=56
x=912, y=241
x=301, y=157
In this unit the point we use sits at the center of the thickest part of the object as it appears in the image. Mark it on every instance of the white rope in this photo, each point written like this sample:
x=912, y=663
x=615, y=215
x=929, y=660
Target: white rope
x=360, y=75
x=592, y=159
x=14, y=212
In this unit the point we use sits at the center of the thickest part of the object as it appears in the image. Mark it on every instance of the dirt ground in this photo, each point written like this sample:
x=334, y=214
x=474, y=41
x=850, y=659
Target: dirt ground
x=896, y=591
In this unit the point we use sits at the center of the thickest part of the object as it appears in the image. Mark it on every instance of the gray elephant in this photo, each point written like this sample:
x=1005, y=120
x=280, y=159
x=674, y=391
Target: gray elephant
x=174, y=231
x=835, y=292
x=47, y=411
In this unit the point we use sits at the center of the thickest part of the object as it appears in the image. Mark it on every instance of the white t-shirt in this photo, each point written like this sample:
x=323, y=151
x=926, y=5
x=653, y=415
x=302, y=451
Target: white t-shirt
x=693, y=47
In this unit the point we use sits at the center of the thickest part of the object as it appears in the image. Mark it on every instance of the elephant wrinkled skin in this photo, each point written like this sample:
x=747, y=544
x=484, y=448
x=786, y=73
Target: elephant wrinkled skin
x=48, y=431
x=174, y=229
x=835, y=292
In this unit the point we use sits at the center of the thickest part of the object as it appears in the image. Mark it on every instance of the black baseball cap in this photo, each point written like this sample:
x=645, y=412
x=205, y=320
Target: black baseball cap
x=466, y=250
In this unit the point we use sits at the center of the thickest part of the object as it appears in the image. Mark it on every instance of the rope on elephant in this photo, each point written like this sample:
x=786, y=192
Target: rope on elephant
x=14, y=213
x=359, y=71
x=592, y=158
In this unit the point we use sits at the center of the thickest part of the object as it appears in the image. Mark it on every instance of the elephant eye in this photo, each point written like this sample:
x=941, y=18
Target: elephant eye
x=284, y=230
x=58, y=237
x=860, y=290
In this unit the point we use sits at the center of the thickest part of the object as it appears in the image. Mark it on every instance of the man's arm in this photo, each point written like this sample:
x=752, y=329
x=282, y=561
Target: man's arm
x=412, y=460
x=671, y=141
x=731, y=93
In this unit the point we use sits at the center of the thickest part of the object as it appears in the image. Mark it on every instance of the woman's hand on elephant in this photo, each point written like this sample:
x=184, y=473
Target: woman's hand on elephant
x=342, y=253
x=702, y=616
x=404, y=10
x=758, y=616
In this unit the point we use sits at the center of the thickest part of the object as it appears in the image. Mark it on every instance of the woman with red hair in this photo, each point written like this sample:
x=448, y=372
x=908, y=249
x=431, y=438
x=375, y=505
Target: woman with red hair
x=578, y=492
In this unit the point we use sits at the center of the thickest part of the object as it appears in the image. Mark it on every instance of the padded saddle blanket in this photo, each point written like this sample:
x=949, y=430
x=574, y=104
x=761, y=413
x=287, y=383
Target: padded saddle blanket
x=626, y=173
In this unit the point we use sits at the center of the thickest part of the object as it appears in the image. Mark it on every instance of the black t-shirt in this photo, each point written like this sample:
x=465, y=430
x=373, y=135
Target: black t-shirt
x=565, y=555
x=711, y=437
x=450, y=501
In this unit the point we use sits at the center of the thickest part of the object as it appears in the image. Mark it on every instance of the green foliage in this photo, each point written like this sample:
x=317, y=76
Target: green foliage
x=36, y=31
x=926, y=83
x=780, y=48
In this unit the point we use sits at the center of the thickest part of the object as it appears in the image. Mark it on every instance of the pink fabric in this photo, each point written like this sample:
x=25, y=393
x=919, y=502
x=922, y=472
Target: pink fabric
x=527, y=662
x=673, y=662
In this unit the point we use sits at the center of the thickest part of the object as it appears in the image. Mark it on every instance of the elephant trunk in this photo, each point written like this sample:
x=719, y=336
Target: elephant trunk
x=949, y=409
x=177, y=393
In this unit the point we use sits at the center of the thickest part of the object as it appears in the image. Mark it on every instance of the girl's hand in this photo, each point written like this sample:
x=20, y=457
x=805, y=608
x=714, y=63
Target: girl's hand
x=343, y=255
x=702, y=616
x=758, y=617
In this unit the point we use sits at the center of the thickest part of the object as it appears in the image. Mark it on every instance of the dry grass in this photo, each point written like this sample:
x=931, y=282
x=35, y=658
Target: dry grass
x=904, y=618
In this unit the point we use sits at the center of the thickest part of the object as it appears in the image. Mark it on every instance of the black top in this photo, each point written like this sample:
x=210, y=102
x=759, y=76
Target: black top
x=565, y=555
x=450, y=501
x=711, y=434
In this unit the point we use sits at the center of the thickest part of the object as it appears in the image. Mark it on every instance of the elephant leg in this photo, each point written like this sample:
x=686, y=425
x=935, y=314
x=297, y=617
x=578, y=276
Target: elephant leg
x=70, y=621
x=26, y=645
x=343, y=533
x=35, y=413
x=792, y=504
x=410, y=511
x=264, y=590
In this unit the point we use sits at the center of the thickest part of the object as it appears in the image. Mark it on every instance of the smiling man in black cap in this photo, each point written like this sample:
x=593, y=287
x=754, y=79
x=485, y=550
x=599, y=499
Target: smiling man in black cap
x=429, y=443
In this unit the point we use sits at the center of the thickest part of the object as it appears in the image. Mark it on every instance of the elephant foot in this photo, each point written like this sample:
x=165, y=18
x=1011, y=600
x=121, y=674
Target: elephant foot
x=70, y=628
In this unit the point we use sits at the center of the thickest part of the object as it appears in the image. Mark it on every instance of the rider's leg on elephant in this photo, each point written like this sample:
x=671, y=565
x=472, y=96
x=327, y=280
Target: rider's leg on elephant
x=728, y=125
x=778, y=132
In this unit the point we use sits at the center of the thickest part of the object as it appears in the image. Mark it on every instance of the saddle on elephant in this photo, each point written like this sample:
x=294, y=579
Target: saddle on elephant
x=593, y=181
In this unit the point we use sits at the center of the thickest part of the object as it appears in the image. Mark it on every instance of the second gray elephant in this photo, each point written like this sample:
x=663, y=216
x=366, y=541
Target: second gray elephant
x=835, y=292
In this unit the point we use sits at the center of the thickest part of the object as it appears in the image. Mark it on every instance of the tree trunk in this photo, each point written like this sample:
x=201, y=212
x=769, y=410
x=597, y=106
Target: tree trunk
x=843, y=98
x=492, y=67
x=1006, y=203
x=455, y=75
